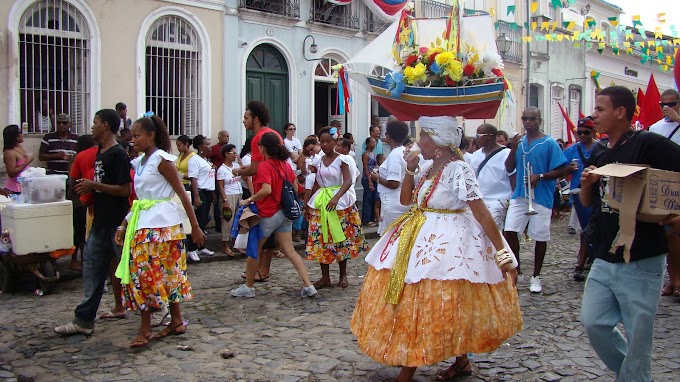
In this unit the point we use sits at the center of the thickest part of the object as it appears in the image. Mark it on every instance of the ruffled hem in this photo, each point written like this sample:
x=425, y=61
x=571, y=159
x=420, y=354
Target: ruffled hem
x=434, y=320
x=327, y=253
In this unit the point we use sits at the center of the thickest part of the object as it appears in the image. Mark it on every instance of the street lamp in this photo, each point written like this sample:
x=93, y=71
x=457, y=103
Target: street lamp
x=503, y=43
x=313, y=48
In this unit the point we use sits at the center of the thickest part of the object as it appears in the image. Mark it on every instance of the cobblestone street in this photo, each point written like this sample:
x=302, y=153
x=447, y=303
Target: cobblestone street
x=278, y=336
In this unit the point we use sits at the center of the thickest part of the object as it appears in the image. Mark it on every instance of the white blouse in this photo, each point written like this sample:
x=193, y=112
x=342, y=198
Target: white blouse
x=202, y=170
x=151, y=184
x=331, y=176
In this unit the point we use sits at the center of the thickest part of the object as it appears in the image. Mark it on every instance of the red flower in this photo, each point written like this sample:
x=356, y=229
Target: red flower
x=469, y=70
x=432, y=57
x=497, y=72
x=449, y=81
x=411, y=60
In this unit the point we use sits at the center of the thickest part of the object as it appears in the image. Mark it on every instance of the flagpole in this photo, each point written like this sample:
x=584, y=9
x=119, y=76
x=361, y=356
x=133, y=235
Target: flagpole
x=527, y=84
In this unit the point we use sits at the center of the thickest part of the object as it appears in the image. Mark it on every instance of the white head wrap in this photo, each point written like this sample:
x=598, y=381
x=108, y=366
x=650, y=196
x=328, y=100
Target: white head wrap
x=444, y=131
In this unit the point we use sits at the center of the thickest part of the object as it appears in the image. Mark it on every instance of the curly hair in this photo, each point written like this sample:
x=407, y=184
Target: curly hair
x=397, y=130
x=273, y=146
x=227, y=148
x=259, y=110
x=156, y=126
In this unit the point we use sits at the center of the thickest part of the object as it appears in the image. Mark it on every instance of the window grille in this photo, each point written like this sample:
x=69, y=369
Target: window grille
x=54, y=54
x=173, y=75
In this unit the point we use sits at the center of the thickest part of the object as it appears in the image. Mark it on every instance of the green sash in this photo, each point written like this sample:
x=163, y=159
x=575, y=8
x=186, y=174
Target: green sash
x=329, y=219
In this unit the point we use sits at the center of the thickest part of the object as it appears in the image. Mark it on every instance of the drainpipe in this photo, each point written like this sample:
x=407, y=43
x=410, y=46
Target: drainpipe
x=527, y=84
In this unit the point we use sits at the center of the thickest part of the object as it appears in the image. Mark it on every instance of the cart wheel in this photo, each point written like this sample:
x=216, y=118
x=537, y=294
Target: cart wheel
x=6, y=278
x=48, y=269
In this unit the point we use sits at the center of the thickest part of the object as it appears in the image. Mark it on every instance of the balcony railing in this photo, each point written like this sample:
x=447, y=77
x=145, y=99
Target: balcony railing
x=344, y=16
x=433, y=9
x=514, y=54
x=374, y=24
x=288, y=8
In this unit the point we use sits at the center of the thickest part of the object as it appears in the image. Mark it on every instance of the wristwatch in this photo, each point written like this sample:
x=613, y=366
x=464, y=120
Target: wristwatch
x=540, y=176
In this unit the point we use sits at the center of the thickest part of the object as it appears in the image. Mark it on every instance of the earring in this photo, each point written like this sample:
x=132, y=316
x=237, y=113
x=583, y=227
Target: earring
x=437, y=153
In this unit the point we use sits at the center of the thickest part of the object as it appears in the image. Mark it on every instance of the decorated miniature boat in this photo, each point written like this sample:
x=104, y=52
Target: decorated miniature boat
x=432, y=67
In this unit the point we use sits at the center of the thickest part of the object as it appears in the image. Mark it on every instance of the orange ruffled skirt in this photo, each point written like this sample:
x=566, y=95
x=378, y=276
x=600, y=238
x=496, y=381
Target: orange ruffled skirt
x=434, y=319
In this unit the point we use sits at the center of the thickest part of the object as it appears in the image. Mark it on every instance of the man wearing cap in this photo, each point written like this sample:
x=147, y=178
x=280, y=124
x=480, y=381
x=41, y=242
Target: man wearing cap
x=669, y=127
x=578, y=154
x=57, y=148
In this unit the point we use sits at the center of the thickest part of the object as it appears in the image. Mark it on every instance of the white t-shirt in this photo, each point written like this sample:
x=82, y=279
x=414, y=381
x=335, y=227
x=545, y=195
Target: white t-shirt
x=232, y=184
x=202, y=170
x=494, y=181
x=467, y=157
x=245, y=161
x=393, y=168
x=666, y=128
x=310, y=178
x=294, y=146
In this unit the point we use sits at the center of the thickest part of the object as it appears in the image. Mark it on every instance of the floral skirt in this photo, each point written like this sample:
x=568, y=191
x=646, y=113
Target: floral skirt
x=327, y=253
x=158, y=269
x=434, y=319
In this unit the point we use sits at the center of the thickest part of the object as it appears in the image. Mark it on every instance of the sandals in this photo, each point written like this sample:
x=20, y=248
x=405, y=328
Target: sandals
x=670, y=290
x=453, y=372
x=110, y=315
x=141, y=340
x=171, y=331
x=258, y=277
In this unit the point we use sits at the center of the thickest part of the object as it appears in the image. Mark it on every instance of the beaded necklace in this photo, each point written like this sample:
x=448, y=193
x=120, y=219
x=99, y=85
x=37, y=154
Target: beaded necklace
x=141, y=166
x=433, y=185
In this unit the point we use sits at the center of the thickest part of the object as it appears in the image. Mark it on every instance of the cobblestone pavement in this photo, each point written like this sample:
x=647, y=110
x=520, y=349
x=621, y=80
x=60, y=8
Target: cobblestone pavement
x=278, y=336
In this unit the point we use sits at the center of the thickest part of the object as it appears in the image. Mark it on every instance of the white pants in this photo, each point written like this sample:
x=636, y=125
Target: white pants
x=498, y=209
x=390, y=210
x=517, y=219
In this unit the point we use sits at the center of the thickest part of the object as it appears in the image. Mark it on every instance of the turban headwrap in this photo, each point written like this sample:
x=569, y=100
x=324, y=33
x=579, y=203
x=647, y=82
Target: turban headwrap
x=444, y=131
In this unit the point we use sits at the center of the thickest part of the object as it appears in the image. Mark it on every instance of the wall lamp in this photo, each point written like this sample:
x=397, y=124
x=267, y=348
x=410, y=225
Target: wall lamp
x=313, y=48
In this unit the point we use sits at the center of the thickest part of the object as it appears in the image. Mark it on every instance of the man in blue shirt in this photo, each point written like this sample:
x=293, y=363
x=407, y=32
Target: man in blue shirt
x=543, y=155
x=578, y=154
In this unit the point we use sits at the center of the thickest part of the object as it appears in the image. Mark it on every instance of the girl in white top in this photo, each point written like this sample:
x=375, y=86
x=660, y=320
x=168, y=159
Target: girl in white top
x=202, y=177
x=390, y=175
x=153, y=266
x=230, y=190
x=246, y=160
x=335, y=232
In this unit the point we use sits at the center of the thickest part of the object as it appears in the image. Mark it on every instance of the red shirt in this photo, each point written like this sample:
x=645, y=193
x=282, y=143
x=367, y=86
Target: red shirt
x=270, y=171
x=83, y=168
x=254, y=150
x=215, y=156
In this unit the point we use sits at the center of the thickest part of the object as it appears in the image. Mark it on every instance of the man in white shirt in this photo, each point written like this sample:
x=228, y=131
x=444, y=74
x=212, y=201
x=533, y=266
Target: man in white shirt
x=669, y=127
x=489, y=165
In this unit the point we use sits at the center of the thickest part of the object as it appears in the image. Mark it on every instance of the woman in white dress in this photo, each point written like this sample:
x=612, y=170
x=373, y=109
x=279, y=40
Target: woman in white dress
x=440, y=281
x=391, y=174
x=229, y=187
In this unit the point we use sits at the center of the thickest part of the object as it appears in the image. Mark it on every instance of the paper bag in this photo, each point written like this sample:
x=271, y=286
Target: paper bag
x=241, y=241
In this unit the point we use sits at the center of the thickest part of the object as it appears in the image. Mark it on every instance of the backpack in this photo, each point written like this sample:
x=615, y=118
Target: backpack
x=290, y=205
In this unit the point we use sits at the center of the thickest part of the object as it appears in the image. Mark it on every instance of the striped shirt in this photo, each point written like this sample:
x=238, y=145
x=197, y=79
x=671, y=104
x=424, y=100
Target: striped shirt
x=52, y=144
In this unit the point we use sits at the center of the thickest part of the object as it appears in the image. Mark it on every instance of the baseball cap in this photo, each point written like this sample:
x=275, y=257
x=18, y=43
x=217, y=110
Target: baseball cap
x=586, y=122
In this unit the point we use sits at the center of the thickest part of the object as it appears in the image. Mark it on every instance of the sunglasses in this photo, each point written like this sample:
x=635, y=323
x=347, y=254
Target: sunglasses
x=583, y=132
x=669, y=104
x=530, y=118
x=292, y=129
x=484, y=135
x=62, y=122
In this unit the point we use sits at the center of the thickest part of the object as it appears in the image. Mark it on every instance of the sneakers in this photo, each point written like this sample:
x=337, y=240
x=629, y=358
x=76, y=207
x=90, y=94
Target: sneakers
x=520, y=278
x=206, y=252
x=308, y=291
x=244, y=291
x=72, y=328
x=579, y=274
x=535, y=286
x=193, y=256
x=571, y=230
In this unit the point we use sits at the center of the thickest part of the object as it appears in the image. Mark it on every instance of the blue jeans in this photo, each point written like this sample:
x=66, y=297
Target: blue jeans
x=100, y=250
x=368, y=203
x=628, y=293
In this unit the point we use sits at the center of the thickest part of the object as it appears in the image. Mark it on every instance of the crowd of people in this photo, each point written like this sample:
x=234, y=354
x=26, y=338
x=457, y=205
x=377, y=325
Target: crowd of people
x=450, y=210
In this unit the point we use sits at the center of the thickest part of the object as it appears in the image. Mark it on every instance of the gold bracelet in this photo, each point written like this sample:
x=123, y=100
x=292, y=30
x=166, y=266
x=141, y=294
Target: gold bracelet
x=121, y=228
x=413, y=173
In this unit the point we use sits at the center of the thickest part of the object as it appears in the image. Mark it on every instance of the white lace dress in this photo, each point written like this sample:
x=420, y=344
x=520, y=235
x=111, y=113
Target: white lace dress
x=449, y=246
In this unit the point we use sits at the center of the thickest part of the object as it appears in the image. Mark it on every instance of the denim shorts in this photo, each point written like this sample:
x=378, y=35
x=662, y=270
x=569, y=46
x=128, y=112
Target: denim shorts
x=276, y=223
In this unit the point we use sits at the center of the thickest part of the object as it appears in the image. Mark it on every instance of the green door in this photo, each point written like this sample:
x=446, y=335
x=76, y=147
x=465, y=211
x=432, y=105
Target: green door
x=267, y=81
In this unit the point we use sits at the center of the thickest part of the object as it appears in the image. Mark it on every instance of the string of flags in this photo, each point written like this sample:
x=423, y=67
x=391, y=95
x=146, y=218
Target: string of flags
x=620, y=39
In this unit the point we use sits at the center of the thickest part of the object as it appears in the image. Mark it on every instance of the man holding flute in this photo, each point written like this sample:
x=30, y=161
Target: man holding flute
x=539, y=163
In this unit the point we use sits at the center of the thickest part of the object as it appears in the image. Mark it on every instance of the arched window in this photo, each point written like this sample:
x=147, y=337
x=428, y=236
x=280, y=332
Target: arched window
x=54, y=78
x=324, y=68
x=173, y=75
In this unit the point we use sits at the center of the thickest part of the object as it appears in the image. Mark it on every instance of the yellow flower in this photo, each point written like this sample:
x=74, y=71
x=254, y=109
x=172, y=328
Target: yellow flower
x=419, y=72
x=454, y=70
x=408, y=75
x=445, y=58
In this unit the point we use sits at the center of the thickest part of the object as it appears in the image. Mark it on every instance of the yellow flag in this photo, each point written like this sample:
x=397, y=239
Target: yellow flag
x=534, y=25
x=650, y=43
x=492, y=12
x=554, y=25
x=560, y=37
x=571, y=26
x=545, y=25
x=533, y=7
x=576, y=35
x=549, y=37
x=658, y=34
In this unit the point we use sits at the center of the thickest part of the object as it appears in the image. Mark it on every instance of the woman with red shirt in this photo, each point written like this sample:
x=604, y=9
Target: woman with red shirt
x=267, y=186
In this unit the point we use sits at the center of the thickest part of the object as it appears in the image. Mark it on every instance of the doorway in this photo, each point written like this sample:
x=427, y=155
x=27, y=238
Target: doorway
x=267, y=82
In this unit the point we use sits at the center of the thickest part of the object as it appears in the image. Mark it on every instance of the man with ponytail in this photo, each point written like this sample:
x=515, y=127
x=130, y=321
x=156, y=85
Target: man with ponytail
x=111, y=188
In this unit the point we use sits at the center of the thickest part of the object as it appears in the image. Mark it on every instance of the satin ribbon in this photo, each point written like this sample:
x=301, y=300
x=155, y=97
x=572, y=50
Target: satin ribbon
x=407, y=232
x=123, y=270
x=330, y=222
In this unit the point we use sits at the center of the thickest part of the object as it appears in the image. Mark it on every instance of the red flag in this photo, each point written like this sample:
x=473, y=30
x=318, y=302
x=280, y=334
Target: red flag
x=638, y=106
x=571, y=129
x=650, y=112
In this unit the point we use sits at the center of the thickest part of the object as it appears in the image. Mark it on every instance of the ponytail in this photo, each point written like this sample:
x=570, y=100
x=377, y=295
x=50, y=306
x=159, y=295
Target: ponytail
x=155, y=125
